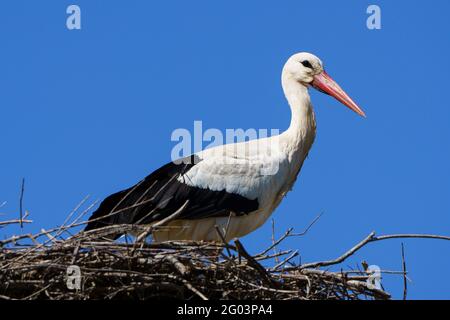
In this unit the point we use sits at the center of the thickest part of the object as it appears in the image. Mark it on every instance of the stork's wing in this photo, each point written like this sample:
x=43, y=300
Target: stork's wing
x=162, y=193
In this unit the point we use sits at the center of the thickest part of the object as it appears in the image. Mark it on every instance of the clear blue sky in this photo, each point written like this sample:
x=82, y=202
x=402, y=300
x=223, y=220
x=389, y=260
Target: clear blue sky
x=91, y=111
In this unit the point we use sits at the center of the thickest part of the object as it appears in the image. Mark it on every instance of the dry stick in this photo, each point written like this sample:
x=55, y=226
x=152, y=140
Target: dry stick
x=156, y=195
x=342, y=257
x=410, y=235
x=252, y=262
x=405, y=285
x=33, y=249
x=286, y=234
x=228, y=225
x=271, y=256
x=63, y=228
x=282, y=263
x=37, y=235
x=275, y=250
x=370, y=238
x=72, y=213
x=126, y=196
x=289, y=233
x=106, y=231
x=180, y=267
x=309, y=226
x=364, y=272
x=135, y=205
x=160, y=223
x=22, y=189
x=49, y=235
x=37, y=292
x=42, y=233
x=259, y=287
x=106, y=215
x=356, y=284
x=15, y=221
x=339, y=276
x=146, y=191
x=222, y=237
x=75, y=253
x=75, y=222
x=194, y=290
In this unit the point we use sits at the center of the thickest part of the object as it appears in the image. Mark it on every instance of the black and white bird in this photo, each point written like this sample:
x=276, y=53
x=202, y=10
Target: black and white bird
x=234, y=186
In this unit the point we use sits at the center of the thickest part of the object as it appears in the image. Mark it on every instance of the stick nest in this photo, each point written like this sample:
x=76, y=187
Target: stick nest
x=83, y=266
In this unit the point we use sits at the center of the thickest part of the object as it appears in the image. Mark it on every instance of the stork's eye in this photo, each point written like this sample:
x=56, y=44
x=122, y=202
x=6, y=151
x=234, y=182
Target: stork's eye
x=306, y=64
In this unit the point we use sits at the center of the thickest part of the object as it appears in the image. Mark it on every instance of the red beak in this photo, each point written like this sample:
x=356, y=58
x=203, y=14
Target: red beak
x=323, y=82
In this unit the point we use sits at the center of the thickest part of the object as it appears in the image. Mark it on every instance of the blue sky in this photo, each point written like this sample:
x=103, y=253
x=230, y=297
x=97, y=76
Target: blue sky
x=91, y=111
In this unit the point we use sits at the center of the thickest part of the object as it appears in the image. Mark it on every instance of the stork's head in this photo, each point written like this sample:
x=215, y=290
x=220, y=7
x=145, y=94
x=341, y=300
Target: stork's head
x=308, y=70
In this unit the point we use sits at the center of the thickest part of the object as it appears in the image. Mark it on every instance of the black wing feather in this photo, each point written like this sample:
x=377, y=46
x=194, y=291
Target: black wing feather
x=160, y=194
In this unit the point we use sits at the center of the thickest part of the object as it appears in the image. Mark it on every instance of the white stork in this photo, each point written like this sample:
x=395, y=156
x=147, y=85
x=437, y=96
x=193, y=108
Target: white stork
x=233, y=186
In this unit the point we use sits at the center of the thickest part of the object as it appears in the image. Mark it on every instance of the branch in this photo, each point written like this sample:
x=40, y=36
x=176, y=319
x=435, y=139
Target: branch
x=410, y=235
x=371, y=238
x=162, y=222
x=405, y=285
x=22, y=189
x=342, y=257
x=15, y=221
x=308, y=227
x=252, y=262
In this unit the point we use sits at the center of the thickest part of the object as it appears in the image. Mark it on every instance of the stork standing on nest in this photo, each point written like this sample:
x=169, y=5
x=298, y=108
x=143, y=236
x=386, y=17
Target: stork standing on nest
x=234, y=186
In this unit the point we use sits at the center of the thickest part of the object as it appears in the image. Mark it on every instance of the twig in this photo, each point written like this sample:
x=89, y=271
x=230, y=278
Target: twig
x=275, y=250
x=162, y=222
x=180, y=267
x=78, y=206
x=195, y=290
x=405, y=285
x=228, y=225
x=308, y=227
x=342, y=257
x=286, y=234
x=272, y=256
x=289, y=233
x=282, y=263
x=14, y=221
x=222, y=237
x=251, y=261
x=371, y=238
x=22, y=190
x=410, y=235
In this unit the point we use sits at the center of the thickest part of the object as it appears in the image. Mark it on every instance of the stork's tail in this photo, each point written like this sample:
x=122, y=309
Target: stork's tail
x=108, y=215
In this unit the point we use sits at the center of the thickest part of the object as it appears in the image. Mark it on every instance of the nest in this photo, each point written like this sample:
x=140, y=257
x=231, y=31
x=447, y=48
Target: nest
x=58, y=265
x=63, y=263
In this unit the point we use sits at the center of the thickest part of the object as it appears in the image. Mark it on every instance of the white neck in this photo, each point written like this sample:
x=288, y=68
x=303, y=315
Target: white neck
x=301, y=132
